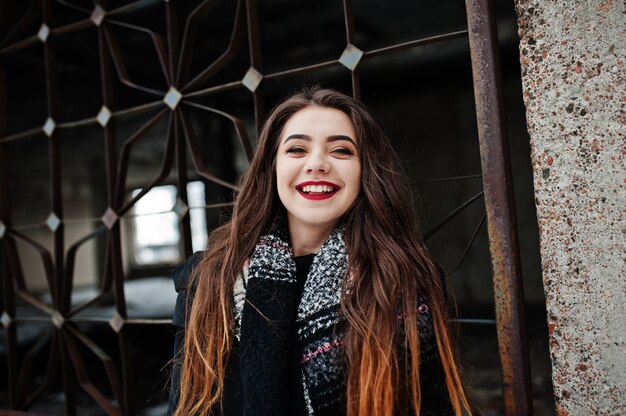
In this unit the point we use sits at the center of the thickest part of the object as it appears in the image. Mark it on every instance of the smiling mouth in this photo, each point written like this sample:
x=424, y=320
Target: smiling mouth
x=317, y=189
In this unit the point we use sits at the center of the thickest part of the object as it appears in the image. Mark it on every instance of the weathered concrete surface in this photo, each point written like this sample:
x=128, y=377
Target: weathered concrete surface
x=573, y=57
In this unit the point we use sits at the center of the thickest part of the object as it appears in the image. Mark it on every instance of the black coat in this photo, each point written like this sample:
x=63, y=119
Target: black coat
x=433, y=391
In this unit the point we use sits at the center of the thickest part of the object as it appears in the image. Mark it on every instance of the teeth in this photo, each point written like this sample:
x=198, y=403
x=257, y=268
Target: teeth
x=317, y=188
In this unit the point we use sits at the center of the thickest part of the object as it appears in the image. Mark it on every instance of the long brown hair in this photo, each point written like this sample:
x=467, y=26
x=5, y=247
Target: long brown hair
x=390, y=270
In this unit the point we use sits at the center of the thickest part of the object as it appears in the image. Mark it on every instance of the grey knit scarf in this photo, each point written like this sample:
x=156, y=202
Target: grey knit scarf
x=268, y=310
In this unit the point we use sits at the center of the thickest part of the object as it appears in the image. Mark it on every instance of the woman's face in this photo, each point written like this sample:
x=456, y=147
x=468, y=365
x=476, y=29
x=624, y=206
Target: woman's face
x=318, y=168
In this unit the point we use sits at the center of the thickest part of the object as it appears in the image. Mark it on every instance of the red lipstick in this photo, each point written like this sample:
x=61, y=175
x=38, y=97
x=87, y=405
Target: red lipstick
x=317, y=196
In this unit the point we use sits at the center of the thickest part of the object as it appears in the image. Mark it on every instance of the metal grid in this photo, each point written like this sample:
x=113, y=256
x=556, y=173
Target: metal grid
x=175, y=50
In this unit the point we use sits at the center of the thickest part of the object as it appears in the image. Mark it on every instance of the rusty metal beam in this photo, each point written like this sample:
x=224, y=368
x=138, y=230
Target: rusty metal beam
x=7, y=249
x=111, y=219
x=348, y=17
x=254, y=50
x=57, y=286
x=500, y=208
x=182, y=179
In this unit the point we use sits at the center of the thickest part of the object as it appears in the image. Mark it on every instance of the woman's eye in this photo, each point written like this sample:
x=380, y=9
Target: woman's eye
x=295, y=149
x=343, y=151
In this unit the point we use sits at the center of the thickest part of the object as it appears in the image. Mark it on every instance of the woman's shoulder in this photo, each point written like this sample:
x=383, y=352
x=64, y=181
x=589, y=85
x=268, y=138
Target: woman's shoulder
x=182, y=272
x=182, y=277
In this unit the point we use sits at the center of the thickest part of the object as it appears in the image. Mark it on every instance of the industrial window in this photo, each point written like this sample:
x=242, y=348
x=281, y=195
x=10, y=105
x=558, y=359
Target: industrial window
x=124, y=127
x=155, y=232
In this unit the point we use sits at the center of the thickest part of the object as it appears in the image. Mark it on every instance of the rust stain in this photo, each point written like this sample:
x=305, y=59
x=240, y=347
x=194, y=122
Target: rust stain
x=562, y=412
x=578, y=67
x=605, y=6
x=596, y=146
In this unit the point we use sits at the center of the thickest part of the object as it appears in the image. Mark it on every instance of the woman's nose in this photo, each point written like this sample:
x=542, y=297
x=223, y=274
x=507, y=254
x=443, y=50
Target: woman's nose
x=317, y=162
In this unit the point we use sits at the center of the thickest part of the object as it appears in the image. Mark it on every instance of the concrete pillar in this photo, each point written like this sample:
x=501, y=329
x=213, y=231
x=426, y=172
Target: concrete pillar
x=573, y=57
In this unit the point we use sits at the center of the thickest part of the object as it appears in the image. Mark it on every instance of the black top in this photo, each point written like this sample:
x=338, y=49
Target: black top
x=303, y=265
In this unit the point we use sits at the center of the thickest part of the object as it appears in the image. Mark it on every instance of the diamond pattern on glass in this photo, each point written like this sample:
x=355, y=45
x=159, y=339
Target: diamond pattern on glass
x=109, y=218
x=350, y=57
x=49, y=126
x=103, y=116
x=172, y=98
x=6, y=319
x=57, y=319
x=97, y=15
x=53, y=222
x=180, y=208
x=43, y=33
x=252, y=79
x=117, y=322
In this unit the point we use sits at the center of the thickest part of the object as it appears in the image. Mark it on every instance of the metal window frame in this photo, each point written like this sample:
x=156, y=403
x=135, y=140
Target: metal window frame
x=175, y=52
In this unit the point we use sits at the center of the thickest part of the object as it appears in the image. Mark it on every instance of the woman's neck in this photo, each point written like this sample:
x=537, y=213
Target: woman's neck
x=308, y=239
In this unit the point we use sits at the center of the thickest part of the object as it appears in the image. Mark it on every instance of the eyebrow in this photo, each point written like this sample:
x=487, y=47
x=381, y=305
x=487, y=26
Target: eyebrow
x=333, y=138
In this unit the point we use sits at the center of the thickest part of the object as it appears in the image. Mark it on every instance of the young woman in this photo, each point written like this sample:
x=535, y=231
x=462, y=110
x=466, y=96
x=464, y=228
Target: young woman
x=317, y=296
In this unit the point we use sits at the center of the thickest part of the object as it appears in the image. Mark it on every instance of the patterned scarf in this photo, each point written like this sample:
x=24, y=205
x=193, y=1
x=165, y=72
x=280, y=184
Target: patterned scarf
x=269, y=311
